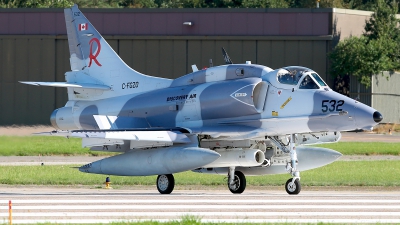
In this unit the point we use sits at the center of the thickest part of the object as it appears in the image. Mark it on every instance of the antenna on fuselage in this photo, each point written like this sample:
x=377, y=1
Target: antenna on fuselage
x=211, y=63
x=226, y=57
x=194, y=68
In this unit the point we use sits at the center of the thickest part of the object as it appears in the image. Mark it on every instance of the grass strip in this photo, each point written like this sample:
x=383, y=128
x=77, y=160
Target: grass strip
x=364, y=148
x=46, y=146
x=187, y=220
x=199, y=222
x=342, y=173
x=43, y=145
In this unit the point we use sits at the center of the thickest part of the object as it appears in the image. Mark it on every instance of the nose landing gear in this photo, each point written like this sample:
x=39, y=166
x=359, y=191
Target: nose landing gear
x=293, y=186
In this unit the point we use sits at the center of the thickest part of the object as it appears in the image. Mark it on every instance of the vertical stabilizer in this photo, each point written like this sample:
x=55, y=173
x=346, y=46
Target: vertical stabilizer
x=93, y=60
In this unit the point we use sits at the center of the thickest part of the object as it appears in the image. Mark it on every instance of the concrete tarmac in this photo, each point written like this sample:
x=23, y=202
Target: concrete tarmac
x=369, y=137
x=84, y=205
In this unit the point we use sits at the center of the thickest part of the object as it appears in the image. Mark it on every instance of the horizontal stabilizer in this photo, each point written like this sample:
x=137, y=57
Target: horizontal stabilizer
x=66, y=84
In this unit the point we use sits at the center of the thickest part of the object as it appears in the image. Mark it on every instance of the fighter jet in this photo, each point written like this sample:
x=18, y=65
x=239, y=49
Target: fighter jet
x=235, y=120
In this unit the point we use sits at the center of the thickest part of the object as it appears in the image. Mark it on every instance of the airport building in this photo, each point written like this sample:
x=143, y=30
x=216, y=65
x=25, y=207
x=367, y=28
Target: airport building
x=166, y=42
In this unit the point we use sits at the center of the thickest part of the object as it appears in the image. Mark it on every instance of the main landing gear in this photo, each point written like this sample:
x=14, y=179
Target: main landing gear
x=236, y=181
x=165, y=183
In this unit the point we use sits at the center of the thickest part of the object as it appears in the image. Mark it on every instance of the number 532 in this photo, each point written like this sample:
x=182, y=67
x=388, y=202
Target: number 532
x=332, y=105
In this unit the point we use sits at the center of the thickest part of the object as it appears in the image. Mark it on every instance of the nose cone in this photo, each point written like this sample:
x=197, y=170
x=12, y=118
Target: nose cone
x=377, y=117
x=94, y=167
x=365, y=116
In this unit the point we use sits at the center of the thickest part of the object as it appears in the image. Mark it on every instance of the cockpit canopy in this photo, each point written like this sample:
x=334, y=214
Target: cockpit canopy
x=302, y=77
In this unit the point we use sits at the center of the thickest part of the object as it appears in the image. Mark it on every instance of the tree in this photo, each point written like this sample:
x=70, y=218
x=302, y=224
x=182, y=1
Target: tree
x=346, y=57
x=376, y=51
x=383, y=22
x=376, y=58
x=302, y=3
x=264, y=4
x=36, y=3
x=95, y=3
x=137, y=4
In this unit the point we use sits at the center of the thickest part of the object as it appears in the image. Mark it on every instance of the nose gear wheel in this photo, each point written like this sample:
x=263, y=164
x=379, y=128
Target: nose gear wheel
x=293, y=188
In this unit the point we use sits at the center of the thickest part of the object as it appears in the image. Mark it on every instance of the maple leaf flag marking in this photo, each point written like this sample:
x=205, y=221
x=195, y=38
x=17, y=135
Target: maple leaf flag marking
x=83, y=26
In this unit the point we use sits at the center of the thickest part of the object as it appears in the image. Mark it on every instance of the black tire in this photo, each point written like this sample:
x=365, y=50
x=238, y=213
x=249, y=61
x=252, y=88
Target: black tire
x=239, y=183
x=165, y=183
x=293, y=189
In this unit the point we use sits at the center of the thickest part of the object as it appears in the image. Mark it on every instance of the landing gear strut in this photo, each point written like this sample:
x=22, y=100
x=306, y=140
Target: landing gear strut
x=165, y=183
x=293, y=185
x=236, y=181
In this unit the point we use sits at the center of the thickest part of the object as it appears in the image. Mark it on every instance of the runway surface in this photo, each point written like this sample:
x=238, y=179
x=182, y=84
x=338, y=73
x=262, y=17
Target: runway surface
x=61, y=205
x=369, y=137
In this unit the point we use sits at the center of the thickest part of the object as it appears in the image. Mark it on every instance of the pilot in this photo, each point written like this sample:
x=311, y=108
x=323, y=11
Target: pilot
x=283, y=78
x=308, y=83
x=292, y=78
x=303, y=83
x=289, y=78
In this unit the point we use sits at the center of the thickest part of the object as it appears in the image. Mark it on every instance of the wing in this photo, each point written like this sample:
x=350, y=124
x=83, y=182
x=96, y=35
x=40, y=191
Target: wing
x=132, y=138
x=109, y=134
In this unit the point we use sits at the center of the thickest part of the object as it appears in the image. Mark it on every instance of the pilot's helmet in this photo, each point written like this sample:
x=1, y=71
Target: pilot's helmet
x=306, y=80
